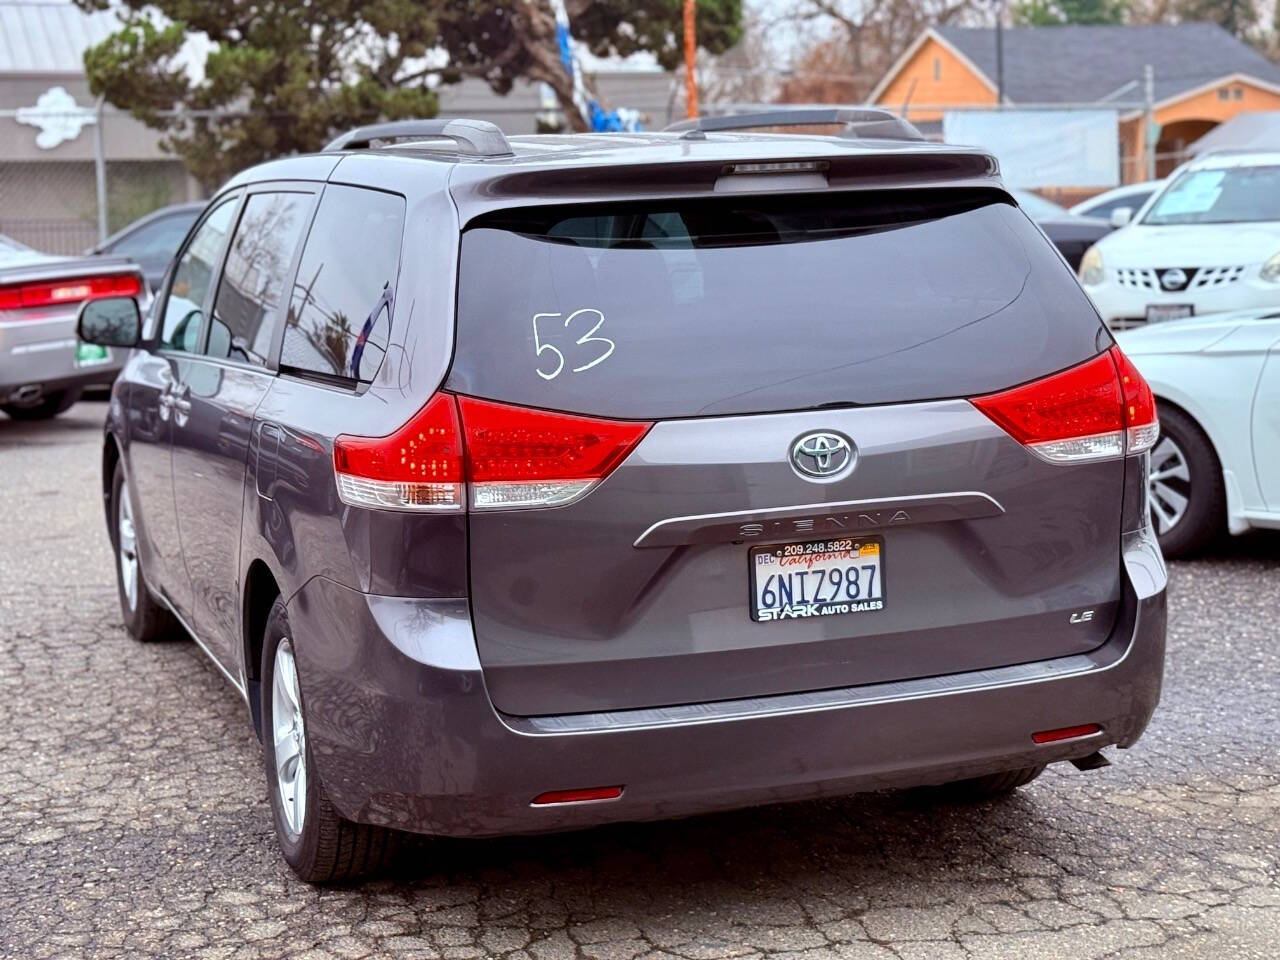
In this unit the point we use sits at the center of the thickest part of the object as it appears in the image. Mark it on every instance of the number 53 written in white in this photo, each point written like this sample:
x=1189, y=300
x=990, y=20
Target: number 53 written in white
x=581, y=317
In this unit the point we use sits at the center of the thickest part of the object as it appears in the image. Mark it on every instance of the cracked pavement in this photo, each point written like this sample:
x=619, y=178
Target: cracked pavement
x=134, y=822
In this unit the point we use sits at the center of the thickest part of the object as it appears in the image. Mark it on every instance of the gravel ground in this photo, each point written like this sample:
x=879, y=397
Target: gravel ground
x=134, y=823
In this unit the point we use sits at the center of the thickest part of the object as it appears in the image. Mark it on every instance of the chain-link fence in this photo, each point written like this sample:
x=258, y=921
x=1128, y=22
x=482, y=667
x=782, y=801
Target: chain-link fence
x=69, y=178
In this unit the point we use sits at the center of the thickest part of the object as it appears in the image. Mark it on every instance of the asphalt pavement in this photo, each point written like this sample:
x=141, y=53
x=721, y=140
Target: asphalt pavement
x=134, y=821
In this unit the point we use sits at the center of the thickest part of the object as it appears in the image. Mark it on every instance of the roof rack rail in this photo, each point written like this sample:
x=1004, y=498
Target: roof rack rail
x=860, y=122
x=472, y=138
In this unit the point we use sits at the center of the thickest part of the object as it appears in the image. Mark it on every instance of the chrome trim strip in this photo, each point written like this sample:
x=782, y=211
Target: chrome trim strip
x=957, y=505
x=790, y=703
x=235, y=681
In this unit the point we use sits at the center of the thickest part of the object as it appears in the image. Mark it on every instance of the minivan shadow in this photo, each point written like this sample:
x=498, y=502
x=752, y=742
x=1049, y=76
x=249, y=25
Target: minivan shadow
x=916, y=832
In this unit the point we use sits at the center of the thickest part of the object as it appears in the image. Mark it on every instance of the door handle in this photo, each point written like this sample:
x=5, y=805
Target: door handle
x=173, y=402
x=181, y=410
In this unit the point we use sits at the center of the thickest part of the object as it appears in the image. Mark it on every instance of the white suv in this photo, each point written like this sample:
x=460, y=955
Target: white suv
x=1207, y=243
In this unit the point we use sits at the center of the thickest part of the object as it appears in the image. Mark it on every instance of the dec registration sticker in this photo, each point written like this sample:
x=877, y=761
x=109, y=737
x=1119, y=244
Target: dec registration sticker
x=820, y=578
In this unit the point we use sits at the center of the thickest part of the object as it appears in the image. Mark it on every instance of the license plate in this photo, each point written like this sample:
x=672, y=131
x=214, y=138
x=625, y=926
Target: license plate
x=90, y=354
x=1159, y=312
x=820, y=578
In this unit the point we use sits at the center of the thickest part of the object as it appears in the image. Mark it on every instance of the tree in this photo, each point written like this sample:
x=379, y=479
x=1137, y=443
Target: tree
x=858, y=41
x=283, y=76
x=1239, y=17
x=280, y=78
x=1052, y=13
x=505, y=41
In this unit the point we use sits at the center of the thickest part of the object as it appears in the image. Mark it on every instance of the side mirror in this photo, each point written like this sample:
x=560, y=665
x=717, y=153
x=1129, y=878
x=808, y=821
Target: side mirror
x=1121, y=216
x=110, y=322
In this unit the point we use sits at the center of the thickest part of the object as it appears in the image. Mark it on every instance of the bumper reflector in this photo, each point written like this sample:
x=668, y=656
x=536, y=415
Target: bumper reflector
x=582, y=795
x=1066, y=733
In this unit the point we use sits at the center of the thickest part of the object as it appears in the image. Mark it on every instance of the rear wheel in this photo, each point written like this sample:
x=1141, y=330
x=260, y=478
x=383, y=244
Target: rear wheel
x=318, y=843
x=991, y=786
x=144, y=617
x=1185, y=489
x=50, y=405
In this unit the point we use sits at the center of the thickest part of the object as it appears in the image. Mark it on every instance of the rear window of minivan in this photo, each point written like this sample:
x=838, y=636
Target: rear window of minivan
x=736, y=305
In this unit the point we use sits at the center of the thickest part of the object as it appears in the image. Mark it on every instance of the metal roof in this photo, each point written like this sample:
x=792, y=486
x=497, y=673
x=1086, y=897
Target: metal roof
x=49, y=36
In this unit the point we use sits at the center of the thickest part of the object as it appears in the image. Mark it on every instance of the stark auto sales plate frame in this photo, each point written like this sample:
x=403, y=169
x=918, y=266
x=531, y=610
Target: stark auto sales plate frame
x=817, y=578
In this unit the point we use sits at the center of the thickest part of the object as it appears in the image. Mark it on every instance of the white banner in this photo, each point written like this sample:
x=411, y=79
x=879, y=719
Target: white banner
x=1043, y=148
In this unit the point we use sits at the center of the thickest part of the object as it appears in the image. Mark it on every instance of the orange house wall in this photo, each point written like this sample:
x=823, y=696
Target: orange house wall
x=1207, y=105
x=956, y=85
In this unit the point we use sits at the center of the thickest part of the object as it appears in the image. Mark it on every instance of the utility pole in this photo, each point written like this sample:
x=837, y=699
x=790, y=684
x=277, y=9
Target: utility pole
x=100, y=168
x=690, y=58
x=1149, y=133
x=1000, y=53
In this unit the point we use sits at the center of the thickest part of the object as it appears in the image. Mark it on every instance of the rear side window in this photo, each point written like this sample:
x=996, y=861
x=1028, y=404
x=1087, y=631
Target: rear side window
x=339, y=320
x=753, y=304
x=252, y=289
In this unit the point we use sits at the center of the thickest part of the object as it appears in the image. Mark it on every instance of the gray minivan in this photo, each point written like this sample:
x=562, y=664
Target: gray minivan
x=526, y=485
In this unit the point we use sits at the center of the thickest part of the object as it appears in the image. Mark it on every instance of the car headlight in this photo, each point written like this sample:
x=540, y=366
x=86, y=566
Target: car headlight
x=1271, y=270
x=1091, y=273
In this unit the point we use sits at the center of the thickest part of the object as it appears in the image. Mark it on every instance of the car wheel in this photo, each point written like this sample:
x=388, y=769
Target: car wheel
x=144, y=617
x=1184, y=488
x=991, y=786
x=318, y=843
x=50, y=405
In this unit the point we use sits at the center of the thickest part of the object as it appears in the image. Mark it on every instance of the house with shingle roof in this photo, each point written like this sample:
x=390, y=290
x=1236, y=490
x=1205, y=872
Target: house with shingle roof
x=1202, y=75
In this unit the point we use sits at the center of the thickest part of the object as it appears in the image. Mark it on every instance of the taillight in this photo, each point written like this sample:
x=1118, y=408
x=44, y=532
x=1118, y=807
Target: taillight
x=419, y=467
x=508, y=456
x=47, y=293
x=521, y=457
x=1142, y=424
x=1097, y=410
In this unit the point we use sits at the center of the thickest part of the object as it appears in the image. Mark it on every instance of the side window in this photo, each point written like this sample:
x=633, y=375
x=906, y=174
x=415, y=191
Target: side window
x=180, y=329
x=339, y=320
x=1104, y=210
x=252, y=289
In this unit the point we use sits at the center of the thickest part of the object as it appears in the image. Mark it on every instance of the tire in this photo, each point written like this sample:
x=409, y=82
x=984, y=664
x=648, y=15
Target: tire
x=1187, y=496
x=49, y=406
x=318, y=843
x=144, y=617
x=990, y=787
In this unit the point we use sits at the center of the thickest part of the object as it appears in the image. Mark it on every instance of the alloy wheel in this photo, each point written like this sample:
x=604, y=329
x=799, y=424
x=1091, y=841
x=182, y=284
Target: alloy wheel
x=290, y=740
x=1168, y=485
x=127, y=549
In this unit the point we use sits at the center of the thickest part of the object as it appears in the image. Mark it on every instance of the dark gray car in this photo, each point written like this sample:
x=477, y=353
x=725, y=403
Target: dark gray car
x=151, y=241
x=530, y=485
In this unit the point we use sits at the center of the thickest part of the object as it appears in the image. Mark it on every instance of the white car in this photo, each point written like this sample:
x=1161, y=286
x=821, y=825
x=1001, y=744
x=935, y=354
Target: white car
x=1216, y=465
x=1209, y=242
x=1118, y=206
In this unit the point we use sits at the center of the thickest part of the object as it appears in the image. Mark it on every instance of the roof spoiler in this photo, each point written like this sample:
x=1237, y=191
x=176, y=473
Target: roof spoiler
x=471, y=138
x=865, y=123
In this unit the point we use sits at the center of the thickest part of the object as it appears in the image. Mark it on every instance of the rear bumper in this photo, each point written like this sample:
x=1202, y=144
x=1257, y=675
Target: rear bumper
x=42, y=353
x=404, y=734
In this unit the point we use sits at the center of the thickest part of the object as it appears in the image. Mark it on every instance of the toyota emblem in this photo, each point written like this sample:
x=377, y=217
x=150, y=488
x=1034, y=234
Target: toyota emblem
x=822, y=456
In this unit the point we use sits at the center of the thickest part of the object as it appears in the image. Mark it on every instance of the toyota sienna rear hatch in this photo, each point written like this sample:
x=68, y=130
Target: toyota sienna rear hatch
x=736, y=446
